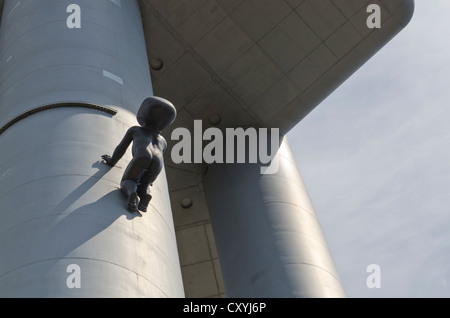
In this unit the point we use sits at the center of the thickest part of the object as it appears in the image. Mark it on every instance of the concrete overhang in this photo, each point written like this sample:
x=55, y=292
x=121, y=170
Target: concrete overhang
x=263, y=63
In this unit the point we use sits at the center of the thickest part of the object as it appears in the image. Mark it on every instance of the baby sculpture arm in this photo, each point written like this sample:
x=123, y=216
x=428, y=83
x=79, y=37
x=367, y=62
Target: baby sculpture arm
x=120, y=149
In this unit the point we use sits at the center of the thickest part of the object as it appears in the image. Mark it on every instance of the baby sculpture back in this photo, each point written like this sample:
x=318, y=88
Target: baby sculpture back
x=154, y=115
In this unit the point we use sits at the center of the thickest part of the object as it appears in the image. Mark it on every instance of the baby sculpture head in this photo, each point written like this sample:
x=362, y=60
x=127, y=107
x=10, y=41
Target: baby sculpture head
x=156, y=113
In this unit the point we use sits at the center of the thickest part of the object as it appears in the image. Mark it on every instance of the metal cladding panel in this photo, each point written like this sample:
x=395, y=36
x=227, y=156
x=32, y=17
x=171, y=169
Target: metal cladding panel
x=103, y=62
x=60, y=206
x=269, y=241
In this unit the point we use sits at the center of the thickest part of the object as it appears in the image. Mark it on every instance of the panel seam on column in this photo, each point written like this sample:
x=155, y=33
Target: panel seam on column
x=57, y=176
x=33, y=111
x=309, y=264
x=117, y=2
x=81, y=175
x=84, y=258
x=142, y=234
x=294, y=204
x=15, y=7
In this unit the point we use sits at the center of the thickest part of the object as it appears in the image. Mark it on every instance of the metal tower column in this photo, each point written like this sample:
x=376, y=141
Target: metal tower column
x=269, y=241
x=67, y=96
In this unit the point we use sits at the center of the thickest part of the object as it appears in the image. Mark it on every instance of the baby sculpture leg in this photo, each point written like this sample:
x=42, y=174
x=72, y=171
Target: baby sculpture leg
x=130, y=181
x=129, y=188
x=147, y=179
x=143, y=192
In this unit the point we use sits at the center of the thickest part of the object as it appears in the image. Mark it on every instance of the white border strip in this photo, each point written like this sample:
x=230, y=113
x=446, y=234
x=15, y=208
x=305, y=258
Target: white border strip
x=117, y=2
x=15, y=7
x=113, y=77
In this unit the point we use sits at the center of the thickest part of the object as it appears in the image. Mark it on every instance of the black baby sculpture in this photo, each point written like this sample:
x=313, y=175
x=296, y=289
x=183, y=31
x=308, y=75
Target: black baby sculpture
x=154, y=115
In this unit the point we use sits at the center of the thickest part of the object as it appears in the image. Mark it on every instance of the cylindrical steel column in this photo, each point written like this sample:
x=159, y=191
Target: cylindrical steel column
x=269, y=241
x=64, y=227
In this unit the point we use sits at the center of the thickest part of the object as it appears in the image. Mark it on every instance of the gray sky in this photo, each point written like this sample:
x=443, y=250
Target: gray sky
x=375, y=157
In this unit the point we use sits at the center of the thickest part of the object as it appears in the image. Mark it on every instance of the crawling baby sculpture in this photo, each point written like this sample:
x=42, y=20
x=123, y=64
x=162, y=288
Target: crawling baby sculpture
x=154, y=115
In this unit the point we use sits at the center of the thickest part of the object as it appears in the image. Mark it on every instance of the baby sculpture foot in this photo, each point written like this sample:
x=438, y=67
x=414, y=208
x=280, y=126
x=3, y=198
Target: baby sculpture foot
x=132, y=202
x=144, y=201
